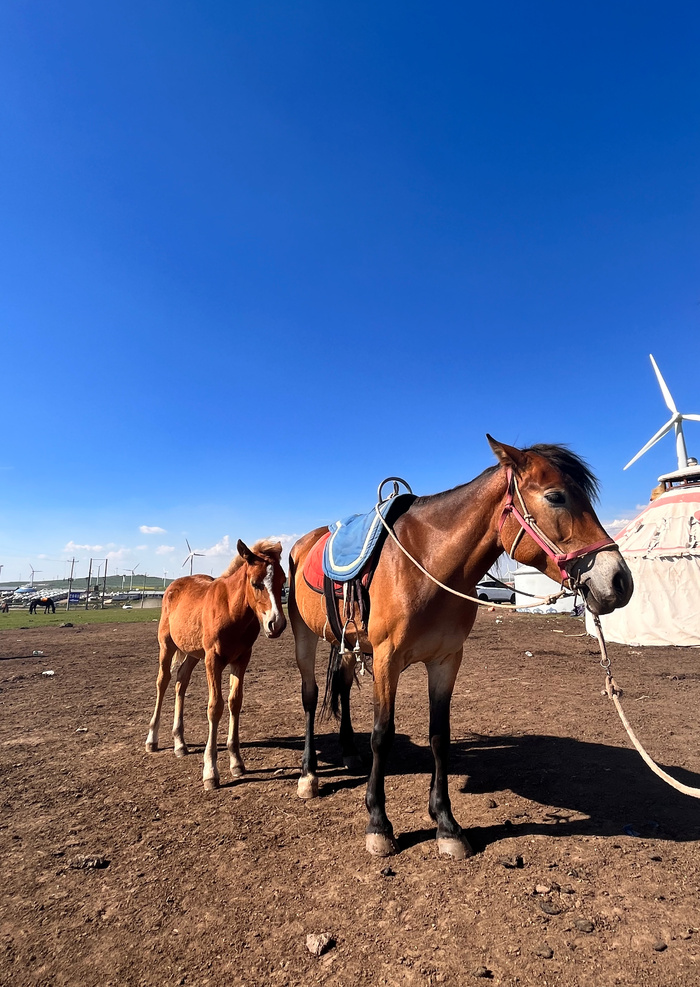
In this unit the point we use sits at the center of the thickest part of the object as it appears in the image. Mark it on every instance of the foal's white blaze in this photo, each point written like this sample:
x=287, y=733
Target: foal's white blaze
x=273, y=618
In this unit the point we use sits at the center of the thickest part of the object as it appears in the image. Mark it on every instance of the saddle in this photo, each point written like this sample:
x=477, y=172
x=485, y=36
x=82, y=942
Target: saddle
x=342, y=563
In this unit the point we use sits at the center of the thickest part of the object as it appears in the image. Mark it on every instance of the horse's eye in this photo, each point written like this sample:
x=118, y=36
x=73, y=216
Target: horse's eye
x=257, y=585
x=555, y=497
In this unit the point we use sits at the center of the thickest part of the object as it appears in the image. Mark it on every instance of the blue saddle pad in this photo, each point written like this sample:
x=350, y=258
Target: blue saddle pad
x=354, y=538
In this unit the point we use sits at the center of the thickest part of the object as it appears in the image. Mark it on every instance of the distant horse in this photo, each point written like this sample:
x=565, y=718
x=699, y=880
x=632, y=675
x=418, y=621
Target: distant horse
x=45, y=601
x=535, y=505
x=218, y=620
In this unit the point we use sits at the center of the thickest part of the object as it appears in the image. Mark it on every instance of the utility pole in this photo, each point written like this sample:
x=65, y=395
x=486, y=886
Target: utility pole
x=143, y=594
x=87, y=595
x=104, y=585
x=70, y=583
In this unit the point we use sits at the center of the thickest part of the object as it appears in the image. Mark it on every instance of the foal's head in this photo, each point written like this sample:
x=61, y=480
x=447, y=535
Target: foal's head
x=264, y=581
x=557, y=488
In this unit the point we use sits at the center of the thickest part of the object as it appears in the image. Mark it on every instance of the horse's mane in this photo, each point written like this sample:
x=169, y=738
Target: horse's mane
x=265, y=547
x=559, y=456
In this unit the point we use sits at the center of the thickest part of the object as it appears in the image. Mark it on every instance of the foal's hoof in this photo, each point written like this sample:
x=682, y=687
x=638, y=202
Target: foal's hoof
x=380, y=846
x=353, y=765
x=181, y=751
x=307, y=787
x=211, y=784
x=238, y=771
x=152, y=747
x=455, y=846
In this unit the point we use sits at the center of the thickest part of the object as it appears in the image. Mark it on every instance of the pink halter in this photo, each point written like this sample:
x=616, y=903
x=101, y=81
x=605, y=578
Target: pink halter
x=528, y=524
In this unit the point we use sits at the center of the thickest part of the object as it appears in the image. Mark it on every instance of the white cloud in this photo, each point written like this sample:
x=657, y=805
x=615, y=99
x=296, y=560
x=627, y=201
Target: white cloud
x=287, y=542
x=617, y=525
x=120, y=553
x=71, y=546
x=165, y=549
x=147, y=529
x=222, y=549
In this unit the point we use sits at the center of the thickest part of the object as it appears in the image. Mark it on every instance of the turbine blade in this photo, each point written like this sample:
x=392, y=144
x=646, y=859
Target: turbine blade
x=691, y=418
x=655, y=438
x=664, y=389
x=189, y=547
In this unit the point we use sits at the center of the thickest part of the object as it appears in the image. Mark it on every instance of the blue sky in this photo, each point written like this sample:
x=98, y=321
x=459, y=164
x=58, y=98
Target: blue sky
x=258, y=255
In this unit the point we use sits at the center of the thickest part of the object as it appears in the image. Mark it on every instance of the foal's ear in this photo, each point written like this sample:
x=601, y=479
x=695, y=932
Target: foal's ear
x=506, y=455
x=245, y=552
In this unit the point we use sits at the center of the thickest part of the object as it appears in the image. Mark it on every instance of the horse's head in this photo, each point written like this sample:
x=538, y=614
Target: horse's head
x=264, y=581
x=548, y=522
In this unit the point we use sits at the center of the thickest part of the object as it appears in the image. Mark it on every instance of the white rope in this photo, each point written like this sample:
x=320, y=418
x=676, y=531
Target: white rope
x=614, y=692
x=546, y=600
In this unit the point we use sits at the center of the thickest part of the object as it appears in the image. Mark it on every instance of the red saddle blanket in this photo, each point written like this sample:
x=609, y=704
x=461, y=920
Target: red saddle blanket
x=313, y=569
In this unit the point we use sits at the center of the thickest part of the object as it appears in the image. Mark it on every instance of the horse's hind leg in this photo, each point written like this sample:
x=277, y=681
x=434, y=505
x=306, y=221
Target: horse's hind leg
x=167, y=650
x=380, y=833
x=351, y=757
x=182, y=680
x=235, y=702
x=215, y=665
x=305, y=643
x=441, y=679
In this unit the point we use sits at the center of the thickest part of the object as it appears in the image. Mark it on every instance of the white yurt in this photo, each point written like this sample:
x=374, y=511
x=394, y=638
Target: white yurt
x=662, y=548
x=530, y=582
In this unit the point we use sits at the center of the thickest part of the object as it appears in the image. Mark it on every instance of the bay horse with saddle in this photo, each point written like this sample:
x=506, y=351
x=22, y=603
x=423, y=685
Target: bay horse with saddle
x=218, y=620
x=535, y=504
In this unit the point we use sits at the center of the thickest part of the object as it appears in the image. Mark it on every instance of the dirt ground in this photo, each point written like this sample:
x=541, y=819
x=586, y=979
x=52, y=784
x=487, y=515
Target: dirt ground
x=586, y=871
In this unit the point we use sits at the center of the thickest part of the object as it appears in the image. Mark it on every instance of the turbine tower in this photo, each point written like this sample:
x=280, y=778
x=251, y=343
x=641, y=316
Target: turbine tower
x=191, y=557
x=34, y=572
x=675, y=422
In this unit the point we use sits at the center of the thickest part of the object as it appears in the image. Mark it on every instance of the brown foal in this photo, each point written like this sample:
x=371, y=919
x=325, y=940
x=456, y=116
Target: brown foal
x=457, y=536
x=218, y=620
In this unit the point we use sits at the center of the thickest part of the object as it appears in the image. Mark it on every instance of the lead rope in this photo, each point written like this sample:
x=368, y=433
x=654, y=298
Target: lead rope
x=613, y=692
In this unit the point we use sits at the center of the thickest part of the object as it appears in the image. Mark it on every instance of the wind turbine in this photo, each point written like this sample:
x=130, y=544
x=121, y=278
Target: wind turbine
x=131, y=574
x=675, y=422
x=34, y=572
x=191, y=557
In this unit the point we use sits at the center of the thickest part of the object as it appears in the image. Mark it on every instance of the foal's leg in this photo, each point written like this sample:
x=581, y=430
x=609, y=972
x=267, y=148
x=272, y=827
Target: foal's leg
x=235, y=701
x=182, y=680
x=305, y=643
x=167, y=651
x=441, y=680
x=351, y=757
x=380, y=832
x=215, y=665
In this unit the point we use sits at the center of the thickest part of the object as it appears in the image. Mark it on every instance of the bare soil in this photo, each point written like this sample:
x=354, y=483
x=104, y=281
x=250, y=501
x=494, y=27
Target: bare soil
x=586, y=871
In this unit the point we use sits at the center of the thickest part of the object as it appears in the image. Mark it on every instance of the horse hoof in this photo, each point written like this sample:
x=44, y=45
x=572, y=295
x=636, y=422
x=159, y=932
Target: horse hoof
x=152, y=747
x=211, y=784
x=353, y=765
x=181, y=752
x=307, y=787
x=380, y=846
x=455, y=846
x=238, y=771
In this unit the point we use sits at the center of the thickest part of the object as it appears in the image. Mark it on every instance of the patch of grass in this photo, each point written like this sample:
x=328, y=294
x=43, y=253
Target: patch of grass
x=79, y=617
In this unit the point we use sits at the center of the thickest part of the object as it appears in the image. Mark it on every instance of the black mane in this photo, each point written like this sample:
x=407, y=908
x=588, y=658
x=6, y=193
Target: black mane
x=571, y=465
x=558, y=456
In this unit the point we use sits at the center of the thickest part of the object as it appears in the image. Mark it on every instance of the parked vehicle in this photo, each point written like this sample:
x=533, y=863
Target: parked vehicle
x=489, y=589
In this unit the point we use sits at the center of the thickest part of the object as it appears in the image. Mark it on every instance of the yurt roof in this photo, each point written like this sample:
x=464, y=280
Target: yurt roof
x=668, y=526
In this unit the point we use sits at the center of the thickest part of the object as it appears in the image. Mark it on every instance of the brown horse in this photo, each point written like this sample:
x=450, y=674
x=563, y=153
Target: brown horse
x=218, y=620
x=536, y=505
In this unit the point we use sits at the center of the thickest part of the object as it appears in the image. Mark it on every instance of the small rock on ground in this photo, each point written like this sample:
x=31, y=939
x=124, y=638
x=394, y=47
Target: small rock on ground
x=318, y=943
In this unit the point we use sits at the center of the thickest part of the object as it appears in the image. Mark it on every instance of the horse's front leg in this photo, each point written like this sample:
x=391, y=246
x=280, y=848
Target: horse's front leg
x=235, y=702
x=380, y=833
x=441, y=679
x=215, y=665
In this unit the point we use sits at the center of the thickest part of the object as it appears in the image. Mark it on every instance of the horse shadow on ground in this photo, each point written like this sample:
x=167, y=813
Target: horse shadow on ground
x=576, y=787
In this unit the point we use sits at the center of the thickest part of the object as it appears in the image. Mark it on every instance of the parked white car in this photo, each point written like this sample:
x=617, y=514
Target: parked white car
x=489, y=590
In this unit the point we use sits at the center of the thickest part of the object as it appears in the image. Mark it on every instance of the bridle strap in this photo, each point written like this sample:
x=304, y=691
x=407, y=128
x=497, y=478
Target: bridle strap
x=528, y=524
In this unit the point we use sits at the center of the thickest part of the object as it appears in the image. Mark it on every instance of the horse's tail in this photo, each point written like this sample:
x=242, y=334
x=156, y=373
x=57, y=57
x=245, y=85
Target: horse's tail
x=335, y=674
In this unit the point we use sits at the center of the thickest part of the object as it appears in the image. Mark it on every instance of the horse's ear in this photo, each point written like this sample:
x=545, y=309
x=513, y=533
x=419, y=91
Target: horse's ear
x=506, y=455
x=245, y=553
